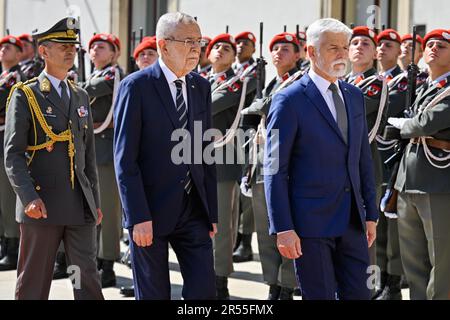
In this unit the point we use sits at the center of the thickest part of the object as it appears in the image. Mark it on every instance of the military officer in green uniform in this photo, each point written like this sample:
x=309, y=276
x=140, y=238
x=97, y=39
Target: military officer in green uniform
x=100, y=86
x=278, y=272
x=10, y=53
x=50, y=162
x=423, y=178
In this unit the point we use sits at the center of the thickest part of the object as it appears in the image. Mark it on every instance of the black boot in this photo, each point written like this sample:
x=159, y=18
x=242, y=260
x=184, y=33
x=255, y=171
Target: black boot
x=274, y=292
x=222, y=288
x=9, y=261
x=286, y=294
x=238, y=241
x=244, y=251
x=60, y=269
x=404, y=283
x=107, y=274
x=392, y=290
x=127, y=291
x=379, y=289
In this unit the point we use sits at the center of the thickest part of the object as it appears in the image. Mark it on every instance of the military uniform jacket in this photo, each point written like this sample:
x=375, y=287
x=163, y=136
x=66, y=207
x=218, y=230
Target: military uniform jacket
x=415, y=173
x=99, y=86
x=225, y=104
x=372, y=95
x=7, y=80
x=268, y=93
x=48, y=175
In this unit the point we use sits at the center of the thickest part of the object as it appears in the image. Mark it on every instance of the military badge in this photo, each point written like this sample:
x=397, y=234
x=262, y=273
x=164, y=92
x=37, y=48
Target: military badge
x=373, y=90
x=82, y=112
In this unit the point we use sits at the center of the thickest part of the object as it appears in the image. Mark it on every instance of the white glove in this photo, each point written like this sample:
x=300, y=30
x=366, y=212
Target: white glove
x=246, y=190
x=397, y=122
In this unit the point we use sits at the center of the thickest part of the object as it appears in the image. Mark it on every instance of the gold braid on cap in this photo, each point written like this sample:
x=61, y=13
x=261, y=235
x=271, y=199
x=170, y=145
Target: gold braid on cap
x=36, y=113
x=70, y=34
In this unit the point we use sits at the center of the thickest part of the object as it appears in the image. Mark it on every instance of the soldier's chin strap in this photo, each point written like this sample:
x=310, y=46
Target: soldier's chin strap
x=432, y=159
x=109, y=117
x=36, y=114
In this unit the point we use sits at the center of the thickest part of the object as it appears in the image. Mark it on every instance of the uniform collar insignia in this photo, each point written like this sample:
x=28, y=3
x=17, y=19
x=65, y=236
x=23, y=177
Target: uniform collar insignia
x=45, y=85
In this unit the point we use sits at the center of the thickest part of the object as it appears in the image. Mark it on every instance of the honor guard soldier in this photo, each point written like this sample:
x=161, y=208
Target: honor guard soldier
x=146, y=53
x=405, y=57
x=30, y=64
x=101, y=86
x=50, y=162
x=387, y=246
x=204, y=65
x=245, y=46
x=226, y=90
x=278, y=272
x=423, y=178
x=10, y=53
x=362, y=52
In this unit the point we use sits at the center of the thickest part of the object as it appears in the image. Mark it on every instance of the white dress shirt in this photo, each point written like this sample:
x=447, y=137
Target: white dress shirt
x=56, y=82
x=323, y=85
x=171, y=77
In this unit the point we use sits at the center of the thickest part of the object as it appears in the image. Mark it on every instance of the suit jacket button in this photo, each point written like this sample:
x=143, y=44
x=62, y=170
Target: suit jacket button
x=38, y=188
x=103, y=136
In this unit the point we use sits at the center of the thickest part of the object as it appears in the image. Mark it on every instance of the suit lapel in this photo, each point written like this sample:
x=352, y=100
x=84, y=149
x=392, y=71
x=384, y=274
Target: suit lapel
x=318, y=101
x=164, y=93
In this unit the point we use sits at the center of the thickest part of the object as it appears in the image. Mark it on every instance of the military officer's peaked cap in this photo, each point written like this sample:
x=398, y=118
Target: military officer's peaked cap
x=64, y=31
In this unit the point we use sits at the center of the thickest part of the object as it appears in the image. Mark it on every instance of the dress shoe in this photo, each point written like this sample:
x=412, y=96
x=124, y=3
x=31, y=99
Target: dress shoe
x=286, y=294
x=108, y=276
x=60, y=268
x=127, y=291
x=392, y=290
x=9, y=260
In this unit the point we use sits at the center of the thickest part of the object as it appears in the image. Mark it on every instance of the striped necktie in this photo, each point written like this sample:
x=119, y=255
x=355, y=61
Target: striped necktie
x=182, y=113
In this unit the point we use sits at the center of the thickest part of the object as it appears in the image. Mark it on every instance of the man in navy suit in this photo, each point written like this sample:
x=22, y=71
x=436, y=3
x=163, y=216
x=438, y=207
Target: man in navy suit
x=165, y=201
x=319, y=180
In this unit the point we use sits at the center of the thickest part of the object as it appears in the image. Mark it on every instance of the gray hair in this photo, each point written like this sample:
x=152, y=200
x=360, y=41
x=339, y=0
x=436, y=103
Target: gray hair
x=318, y=27
x=168, y=22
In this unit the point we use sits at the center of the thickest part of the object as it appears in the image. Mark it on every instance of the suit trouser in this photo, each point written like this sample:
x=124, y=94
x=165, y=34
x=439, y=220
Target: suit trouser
x=226, y=227
x=423, y=226
x=111, y=227
x=276, y=269
x=37, y=252
x=9, y=226
x=193, y=247
x=247, y=221
x=387, y=243
x=335, y=266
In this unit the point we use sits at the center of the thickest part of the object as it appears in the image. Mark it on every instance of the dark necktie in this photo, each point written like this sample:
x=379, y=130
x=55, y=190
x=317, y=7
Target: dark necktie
x=64, y=96
x=182, y=112
x=341, y=112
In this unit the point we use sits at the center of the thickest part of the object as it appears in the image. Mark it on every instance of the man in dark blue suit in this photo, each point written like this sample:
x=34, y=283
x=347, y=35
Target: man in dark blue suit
x=319, y=180
x=165, y=200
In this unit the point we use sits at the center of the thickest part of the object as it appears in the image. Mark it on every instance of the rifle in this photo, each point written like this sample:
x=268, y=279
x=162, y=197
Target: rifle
x=131, y=62
x=391, y=132
x=38, y=63
x=285, y=28
x=227, y=28
x=260, y=65
x=80, y=54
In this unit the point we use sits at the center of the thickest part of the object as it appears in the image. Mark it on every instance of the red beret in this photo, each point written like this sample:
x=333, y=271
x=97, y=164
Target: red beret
x=106, y=37
x=12, y=40
x=26, y=37
x=245, y=35
x=409, y=37
x=364, y=31
x=224, y=37
x=440, y=34
x=284, y=37
x=147, y=43
x=389, y=34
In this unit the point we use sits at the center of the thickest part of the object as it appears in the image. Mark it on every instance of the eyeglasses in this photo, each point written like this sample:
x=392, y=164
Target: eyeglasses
x=191, y=43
